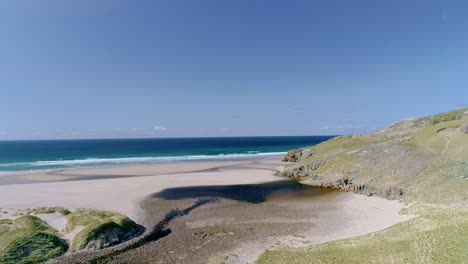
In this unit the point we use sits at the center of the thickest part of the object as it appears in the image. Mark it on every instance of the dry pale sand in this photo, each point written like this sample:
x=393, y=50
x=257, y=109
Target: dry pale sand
x=250, y=209
x=121, y=191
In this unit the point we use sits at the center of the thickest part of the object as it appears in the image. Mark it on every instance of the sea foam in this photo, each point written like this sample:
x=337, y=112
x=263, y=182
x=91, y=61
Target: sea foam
x=91, y=161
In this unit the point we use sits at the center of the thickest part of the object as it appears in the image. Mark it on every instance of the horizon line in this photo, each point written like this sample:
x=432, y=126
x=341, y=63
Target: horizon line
x=137, y=138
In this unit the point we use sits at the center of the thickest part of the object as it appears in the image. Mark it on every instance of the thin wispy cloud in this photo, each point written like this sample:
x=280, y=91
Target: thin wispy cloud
x=159, y=128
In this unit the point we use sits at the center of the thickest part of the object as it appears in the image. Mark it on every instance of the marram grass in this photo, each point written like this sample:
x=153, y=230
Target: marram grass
x=97, y=226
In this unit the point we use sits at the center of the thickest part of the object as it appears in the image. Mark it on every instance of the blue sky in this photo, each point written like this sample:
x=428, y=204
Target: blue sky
x=109, y=69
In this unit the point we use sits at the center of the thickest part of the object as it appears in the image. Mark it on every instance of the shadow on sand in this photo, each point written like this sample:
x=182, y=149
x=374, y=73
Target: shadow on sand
x=252, y=193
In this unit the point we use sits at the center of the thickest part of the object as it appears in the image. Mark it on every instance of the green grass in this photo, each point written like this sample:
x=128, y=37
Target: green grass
x=444, y=117
x=28, y=239
x=436, y=236
x=337, y=144
x=42, y=210
x=97, y=227
x=48, y=210
x=422, y=136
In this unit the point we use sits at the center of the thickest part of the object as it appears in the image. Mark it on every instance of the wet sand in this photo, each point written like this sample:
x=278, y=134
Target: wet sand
x=208, y=213
x=128, y=171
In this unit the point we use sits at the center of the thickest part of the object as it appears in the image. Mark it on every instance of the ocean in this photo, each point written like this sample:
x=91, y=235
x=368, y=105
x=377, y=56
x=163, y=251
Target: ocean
x=58, y=154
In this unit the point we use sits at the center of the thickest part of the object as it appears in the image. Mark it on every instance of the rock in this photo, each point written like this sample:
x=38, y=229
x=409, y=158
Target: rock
x=464, y=128
x=302, y=170
x=296, y=155
x=401, y=127
x=405, y=138
x=391, y=193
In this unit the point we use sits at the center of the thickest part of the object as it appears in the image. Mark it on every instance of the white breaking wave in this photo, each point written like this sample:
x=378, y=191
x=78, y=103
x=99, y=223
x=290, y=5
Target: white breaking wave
x=97, y=161
x=15, y=164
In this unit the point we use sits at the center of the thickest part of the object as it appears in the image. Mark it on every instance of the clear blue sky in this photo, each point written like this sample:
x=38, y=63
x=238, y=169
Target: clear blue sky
x=121, y=68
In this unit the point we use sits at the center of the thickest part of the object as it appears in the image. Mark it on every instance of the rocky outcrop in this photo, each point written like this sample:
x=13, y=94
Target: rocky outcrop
x=464, y=128
x=307, y=173
x=298, y=154
x=302, y=170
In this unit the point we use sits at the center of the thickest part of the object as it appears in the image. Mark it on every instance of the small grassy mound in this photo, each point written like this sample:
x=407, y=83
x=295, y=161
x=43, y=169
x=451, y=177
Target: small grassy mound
x=28, y=239
x=99, y=229
x=436, y=236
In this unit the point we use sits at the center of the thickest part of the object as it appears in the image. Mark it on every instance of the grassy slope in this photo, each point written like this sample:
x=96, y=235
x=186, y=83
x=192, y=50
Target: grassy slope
x=28, y=239
x=424, y=161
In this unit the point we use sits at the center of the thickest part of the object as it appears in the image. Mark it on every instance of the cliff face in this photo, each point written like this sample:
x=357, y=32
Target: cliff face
x=423, y=159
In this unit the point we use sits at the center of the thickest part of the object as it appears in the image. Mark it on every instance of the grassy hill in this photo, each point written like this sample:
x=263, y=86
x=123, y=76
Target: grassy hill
x=424, y=159
x=421, y=161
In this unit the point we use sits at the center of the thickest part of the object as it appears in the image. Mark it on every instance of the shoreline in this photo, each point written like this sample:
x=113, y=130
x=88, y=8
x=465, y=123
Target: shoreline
x=123, y=170
x=247, y=195
x=115, y=170
x=96, y=163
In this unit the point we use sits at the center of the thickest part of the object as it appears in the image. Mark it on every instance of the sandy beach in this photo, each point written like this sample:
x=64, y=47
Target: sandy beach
x=120, y=189
x=233, y=210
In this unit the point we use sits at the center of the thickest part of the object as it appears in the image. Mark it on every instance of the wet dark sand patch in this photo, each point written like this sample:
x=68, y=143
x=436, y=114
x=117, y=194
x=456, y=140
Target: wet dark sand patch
x=199, y=224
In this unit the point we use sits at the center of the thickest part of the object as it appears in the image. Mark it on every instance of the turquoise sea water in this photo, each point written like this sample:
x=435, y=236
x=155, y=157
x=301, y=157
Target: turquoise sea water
x=55, y=154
